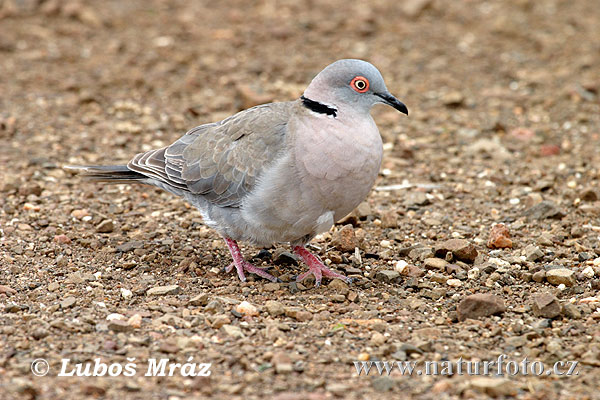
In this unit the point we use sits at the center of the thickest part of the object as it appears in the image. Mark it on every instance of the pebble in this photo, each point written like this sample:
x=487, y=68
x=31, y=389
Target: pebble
x=494, y=387
x=377, y=339
x=126, y=293
x=163, y=290
x=532, y=253
x=219, y=320
x=39, y=333
x=200, y=300
x=461, y=249
x=339, y=286
x=274, y=308
x=473, y=273
x=68, y=302
x=282, y=257
x=338, y=389
x=232, y=331
x=105, y=226
x=414, y=199
x=8, y=290
x=135, y=321
x=282, y=362
x=543, y=210
x=560, y=276
x=245, y=308
x=345, y=239
x=545, y=305
x=454, y=282
x=387, y=275
x=436, y=264
x=62, y=239
x=383, y=383
x=499, y=237
x=119, y=325
x=480, y=305
x=571, y=311
x=389, y=219
x=400, y=266
x=539, y=276
x=588, y=272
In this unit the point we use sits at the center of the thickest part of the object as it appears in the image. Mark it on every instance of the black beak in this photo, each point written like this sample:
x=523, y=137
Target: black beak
x=392, y=101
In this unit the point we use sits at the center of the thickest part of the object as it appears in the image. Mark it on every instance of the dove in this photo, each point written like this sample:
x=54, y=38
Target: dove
x=281, y=172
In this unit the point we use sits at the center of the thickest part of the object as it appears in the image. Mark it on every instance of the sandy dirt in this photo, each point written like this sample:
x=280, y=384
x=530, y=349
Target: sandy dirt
x=504, y=128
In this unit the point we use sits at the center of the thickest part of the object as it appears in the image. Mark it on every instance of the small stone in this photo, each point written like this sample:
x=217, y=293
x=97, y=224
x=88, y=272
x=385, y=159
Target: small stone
x=545, y=240
x=533, y=199
x=460, y=248
x=377, y=339
x=272, y=287
x=571, y=311
x=119, y=325
x=339, y=286
x=436, y=264
x=303, y=316
x=245, y=308
x=282, y=257
x=129, y=246
x=389, y=219
x=560, y=276
x=39, y=333
x=454, y=282
x=135, y=321
x=499, y=237
x=590, y=194
x=533, y=253
x=387, y=275
x=480, y=305
x=345, y=239
x=383, y=384
x=274, y=308
x=163, y=290
x=494, y=387
x=68, y=302
x=588, y=272
x=400, y=266
x=126, y=293
x=232, y=331
x=30, y=188
x=105, y=226
x=200, y=300
x=539, y=276
x=10, y=291
x=545, y=305
x=62, y=239
x=545, y=209
x=414, y=199
x=338, y=389
x=282, y=362
x=220, y=320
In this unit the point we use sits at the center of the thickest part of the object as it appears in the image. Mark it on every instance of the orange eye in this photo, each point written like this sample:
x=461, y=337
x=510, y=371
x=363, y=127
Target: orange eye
x=360, y=84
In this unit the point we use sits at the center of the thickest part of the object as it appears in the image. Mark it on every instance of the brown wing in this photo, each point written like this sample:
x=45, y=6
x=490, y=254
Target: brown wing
x=220, y=161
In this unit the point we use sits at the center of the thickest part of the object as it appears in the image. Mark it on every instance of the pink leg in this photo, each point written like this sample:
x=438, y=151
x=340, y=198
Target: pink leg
x=240, y=264
x=316, y=267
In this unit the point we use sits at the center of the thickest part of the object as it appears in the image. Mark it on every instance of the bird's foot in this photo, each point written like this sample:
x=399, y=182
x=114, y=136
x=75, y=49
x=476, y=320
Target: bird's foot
x=246, y=266
x=242, y=265
x=316, y=267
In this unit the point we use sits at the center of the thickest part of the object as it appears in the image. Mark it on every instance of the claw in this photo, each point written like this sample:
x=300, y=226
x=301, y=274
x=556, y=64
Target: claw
x=316, y=268
x=242, y=265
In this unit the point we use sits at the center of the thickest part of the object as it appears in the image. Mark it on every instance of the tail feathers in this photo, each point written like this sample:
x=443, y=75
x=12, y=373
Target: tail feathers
x=109, y=173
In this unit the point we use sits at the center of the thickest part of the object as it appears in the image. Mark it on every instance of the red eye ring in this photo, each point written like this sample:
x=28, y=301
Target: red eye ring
x=360, y=84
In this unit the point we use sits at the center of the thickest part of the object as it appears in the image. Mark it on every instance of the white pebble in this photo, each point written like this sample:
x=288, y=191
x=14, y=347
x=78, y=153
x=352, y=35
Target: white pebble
x=246, y=308
x=473, y=273
x=561, y=287
x=588, y=272
x=115, y=316
x=386, y=244
x=454, y=282
x=514, y=201
x=126, y=293
x=597, y=262
x=400, y=266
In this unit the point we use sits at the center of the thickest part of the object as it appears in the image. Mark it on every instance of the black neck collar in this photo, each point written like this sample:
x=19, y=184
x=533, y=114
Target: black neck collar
x=317, y=107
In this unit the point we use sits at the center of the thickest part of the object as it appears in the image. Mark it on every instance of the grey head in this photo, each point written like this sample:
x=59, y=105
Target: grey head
x=354, y=83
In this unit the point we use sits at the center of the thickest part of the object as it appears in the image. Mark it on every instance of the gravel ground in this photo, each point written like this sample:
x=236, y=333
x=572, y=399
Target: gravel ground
x=491, y=188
